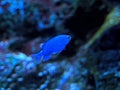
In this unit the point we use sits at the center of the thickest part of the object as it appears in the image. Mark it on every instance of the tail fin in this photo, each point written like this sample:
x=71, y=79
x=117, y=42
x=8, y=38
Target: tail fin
x=37, y=57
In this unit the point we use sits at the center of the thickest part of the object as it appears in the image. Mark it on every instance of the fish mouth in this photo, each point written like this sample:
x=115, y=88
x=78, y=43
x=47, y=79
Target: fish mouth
x=68, y=36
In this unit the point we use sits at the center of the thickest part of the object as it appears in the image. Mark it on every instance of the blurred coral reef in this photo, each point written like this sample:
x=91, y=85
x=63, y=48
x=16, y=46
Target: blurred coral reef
x=91, y=61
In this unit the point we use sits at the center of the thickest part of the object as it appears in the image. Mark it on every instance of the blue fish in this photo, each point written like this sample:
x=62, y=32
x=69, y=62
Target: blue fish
x=53, y=46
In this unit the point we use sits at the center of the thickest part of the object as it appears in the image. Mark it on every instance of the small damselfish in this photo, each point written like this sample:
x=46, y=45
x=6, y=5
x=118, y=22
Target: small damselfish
x=53, y=46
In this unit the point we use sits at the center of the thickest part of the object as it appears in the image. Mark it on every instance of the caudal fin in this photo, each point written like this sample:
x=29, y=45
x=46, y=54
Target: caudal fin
x=39, y=57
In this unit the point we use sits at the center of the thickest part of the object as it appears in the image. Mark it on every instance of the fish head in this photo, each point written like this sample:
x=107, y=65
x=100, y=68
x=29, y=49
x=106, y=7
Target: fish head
x=65, y=38
x=60, y=43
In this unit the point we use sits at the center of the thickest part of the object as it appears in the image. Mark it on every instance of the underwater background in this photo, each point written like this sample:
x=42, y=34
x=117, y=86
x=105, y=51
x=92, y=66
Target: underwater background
x=90, y=61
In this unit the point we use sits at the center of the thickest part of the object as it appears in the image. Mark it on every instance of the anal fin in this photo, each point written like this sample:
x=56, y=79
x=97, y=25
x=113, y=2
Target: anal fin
x=46, y=58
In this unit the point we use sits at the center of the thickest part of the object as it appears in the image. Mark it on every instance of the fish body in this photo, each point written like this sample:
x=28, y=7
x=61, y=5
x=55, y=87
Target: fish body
x=53, y=46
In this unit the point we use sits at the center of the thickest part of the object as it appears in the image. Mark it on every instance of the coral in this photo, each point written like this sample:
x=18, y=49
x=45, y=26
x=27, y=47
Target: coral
x=91, y=61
